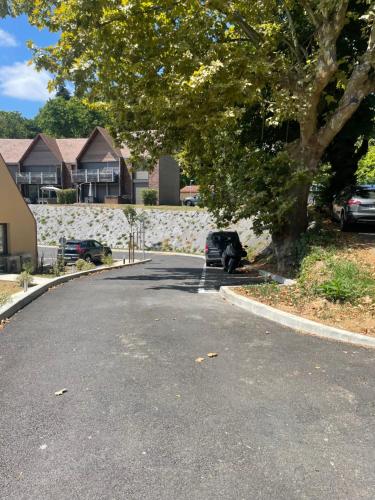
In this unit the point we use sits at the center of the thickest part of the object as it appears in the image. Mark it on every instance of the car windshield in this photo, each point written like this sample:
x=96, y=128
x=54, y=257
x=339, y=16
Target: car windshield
x=365, y=193
x=224, y=238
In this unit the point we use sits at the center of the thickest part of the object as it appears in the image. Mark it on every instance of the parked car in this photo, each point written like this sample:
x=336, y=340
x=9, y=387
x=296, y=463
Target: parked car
x=192, y=201
x=354, y=205
x=89, y=250
x=216, y=243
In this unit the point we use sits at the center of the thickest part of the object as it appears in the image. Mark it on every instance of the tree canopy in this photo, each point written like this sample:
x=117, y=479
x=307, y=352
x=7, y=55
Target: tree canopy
x=14, y=126
x=366, y=167
x=190, y=76
x=65, y=116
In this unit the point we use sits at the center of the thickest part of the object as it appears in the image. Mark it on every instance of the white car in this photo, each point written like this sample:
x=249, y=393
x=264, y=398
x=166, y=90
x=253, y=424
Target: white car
x=192, y=201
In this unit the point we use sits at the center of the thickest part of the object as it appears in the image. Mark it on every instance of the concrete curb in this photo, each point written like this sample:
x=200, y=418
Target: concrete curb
x=296, y=322
x=21, y=299
x=277, y=278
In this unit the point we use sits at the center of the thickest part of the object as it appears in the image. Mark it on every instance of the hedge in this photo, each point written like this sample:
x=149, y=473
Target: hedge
x=150, y=196
x=66, y=196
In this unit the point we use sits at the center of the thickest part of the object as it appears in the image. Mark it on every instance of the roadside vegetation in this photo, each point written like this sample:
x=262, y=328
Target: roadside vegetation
x=335, y=283
x=7, y=289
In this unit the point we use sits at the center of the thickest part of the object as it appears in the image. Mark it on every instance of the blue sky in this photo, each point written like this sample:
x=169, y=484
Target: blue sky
x=22, y=88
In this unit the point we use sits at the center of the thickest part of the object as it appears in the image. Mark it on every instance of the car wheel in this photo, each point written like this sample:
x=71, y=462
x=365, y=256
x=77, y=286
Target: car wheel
x=344, y=225
x=189, y=203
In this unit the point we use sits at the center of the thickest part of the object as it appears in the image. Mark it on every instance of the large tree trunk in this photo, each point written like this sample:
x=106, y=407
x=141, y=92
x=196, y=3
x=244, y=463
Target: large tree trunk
x=286, y=236
x=285, y=239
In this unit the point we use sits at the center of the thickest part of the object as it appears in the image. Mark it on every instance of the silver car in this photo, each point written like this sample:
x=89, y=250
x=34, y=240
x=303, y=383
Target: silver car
x=355, y=205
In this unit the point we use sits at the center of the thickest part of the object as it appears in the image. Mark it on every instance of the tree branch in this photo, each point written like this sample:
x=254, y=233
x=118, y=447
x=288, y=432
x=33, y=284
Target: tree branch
x=361, y=83
x=299, y=51
x=313, y=17
x=326, y=66
x=249, y=31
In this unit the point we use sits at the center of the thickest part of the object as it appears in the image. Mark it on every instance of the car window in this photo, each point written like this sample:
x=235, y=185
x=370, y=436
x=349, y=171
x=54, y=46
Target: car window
x=365, y=193
x=96, y=244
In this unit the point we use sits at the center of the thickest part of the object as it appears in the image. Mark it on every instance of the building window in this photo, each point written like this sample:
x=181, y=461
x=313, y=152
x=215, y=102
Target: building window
x=3, y=239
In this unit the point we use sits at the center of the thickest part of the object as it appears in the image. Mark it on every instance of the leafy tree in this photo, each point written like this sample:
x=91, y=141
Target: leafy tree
x=14, y=126
x=186, y=73
x=366, y=167
x=62, y=91
x=68, y=117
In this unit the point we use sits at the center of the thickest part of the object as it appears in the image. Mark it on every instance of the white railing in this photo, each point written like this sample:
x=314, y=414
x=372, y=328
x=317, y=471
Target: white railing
x=37, y=178
x=96, y=175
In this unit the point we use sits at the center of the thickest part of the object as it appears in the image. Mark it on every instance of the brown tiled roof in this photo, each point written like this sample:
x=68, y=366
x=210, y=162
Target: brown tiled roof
x=70, y=148
x=67, y=150
x=190, y=189
x=12, y=150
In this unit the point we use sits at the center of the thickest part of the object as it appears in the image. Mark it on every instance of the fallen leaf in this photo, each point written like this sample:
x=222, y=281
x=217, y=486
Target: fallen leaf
x=267, y=332
x=61, y=392
x=157, y=319
x=199, y=360
x=212, y=354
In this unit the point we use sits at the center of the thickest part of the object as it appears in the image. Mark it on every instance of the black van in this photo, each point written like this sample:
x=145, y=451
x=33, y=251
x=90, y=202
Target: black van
x=216, y=243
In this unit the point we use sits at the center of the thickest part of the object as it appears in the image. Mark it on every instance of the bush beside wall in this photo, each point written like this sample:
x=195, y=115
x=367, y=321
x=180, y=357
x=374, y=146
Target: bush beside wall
x=67, y=196
x=150, y=196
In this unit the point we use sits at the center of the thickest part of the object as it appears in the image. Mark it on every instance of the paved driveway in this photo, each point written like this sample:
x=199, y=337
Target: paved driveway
x=276, y=415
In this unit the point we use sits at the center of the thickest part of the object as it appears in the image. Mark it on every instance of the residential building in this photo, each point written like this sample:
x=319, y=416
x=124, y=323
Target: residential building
x=18, y=232
x=100, y=171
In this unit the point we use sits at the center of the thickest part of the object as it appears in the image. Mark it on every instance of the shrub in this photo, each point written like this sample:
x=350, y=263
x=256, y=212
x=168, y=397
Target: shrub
x=348, y=282
x=82, y=265
x=149, y=196
x=4, y=297
x=66, y=196
x=107, y=260
x=58, y=268
x=24, y=279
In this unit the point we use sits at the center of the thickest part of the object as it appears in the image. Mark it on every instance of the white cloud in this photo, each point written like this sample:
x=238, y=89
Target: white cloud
x=7, y=40
x=22, y=81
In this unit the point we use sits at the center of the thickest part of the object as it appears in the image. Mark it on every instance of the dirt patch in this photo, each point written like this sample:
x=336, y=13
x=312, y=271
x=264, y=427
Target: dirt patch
x=359, y=318
x=304, y=298
x=9, y=287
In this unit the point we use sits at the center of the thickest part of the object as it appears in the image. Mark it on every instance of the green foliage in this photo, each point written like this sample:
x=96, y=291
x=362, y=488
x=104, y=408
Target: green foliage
x=68, y=117
x=325, y=273
x=348, y=282
x=107, y=260
x=150, y=196
x=130, y=215
x=82, y=265
x=366, y=168
x=28, y=267
x=66, y=196
x=58, y=268
x=4, y=298
x=24, y=279
x=14, y=126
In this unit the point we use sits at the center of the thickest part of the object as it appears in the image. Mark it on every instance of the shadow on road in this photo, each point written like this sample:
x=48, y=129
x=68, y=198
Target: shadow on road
x=184, y=279
x=188, y=279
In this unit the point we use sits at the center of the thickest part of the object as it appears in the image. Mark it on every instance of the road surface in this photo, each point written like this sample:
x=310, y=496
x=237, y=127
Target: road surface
x=276, y=415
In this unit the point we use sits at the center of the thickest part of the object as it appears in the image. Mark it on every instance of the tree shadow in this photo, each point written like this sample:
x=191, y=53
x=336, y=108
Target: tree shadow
x=186, y=279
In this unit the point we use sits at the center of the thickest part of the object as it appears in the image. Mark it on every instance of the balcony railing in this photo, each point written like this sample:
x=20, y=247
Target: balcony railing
x=37, y=178
x=97, y=175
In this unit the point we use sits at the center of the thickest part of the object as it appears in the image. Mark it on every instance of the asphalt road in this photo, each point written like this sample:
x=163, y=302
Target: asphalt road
x=276, y=415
